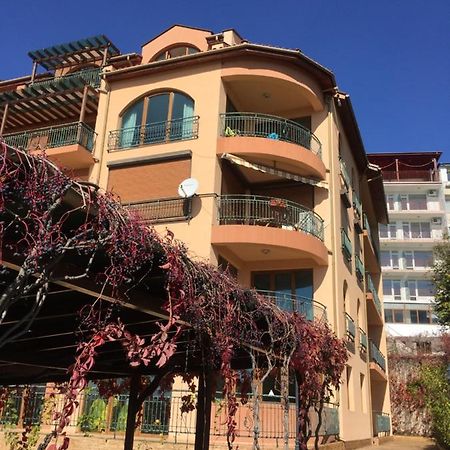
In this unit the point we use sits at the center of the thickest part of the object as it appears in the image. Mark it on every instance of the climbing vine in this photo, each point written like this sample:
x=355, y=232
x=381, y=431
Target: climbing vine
x=47, y=220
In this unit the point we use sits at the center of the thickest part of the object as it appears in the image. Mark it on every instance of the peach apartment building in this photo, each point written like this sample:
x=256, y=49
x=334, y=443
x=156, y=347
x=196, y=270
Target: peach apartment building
x=286, y=196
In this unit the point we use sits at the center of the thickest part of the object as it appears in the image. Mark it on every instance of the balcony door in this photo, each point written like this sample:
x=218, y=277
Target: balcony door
x=292, y=290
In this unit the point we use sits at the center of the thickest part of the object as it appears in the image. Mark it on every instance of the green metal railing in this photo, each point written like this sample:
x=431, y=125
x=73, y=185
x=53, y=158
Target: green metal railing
x=357, y=205
x=350, y=326
x=345, y=175
x=359, y=268
x=311, y=309
x=346, y=245
x=268, y=212
x=371, y=288
x=381, y=422
x=90, y=77
x=270, y=127
x=376, y=356
x=154, y=133
x=51, y=137
x=362, y=340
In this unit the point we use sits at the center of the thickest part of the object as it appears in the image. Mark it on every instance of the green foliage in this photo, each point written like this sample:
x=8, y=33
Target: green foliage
x=95, y=417
x=441, y=278
x=437, y=397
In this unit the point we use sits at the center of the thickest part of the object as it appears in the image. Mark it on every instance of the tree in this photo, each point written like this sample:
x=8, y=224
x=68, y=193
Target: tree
x=441, y=278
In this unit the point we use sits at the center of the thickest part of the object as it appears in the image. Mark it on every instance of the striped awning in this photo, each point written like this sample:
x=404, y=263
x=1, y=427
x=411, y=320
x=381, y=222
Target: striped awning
x=272, y=171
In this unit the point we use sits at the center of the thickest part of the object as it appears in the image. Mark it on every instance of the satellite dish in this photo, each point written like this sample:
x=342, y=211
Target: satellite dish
x=188, y=188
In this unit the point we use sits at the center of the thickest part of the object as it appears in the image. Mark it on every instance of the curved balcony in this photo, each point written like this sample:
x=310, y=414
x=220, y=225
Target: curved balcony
x=269, y=138
x=311, y=309
x=259, y=228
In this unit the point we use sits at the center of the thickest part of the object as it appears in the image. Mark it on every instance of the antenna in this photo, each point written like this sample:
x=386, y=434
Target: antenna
x=188, y=188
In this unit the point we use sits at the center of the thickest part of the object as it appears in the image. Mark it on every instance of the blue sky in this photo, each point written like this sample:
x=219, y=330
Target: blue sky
x=391, y=56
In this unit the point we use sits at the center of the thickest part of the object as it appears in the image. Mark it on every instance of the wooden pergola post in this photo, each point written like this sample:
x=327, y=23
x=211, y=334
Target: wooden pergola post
x=82, y=113
x=33, y=71
x=203, y=422
x=133, y=406
x=4, y=118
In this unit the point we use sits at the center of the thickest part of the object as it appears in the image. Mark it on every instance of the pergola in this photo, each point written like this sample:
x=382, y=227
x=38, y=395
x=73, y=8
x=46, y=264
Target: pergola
x=39, y=346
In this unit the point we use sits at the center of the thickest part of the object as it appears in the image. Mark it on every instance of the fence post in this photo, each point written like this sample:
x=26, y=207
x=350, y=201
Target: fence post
x=203, y=422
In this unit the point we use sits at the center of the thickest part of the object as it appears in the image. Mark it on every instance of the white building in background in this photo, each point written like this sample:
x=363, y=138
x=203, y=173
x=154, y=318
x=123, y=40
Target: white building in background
x=415, y=190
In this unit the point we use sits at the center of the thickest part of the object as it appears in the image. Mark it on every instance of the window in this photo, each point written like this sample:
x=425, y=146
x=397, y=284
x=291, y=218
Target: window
x=167, y=116
x=390, y=259
x=392, y=288
x=415, y=230
x=388, y=316
x=423, y=259
x=291, y=290
x=174, y=52
x=420, y=288
x=413, y=202
x=388, y=231
x=390, y=200
x=398, y=316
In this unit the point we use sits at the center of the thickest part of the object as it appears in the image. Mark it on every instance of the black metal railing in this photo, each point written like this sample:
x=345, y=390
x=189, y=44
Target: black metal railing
x=162, y=210
x=350, y=327
x=51, y=137
x=311, y=309
x=154, y=133
x=268, y=211
x=90, y=77
x=269, y=127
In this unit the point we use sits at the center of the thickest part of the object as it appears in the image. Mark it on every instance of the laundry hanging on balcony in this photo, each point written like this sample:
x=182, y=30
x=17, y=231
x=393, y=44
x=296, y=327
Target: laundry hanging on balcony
x=272, y=171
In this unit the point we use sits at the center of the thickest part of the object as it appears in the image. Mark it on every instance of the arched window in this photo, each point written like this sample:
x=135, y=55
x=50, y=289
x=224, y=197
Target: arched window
x=174, y=52
x=161, y=117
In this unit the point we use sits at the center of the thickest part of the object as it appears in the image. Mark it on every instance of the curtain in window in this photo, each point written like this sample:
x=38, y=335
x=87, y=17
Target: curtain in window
x=182, y=117
x=131, y=126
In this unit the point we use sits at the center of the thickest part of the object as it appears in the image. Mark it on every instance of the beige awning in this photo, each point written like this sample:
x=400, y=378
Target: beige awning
x=272, y=171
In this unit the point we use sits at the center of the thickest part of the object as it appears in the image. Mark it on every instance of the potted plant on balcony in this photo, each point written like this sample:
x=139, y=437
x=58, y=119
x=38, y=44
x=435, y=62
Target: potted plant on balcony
x=277, y=203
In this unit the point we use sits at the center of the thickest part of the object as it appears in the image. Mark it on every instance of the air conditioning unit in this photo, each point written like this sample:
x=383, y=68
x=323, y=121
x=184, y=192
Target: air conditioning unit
x=432, y=193
x=436, y=221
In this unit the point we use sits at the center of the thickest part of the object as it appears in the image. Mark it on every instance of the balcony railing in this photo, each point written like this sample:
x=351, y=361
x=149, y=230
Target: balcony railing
x=162, y=210
x=154, y=133
x=376, y=356
x=311, y=309
x=371, y=288
x=51, y=137
x=345, y=175
x=357, y=205
x=350, y=327
x=411, y=175
x=90, y=77
x=268, y=212
x=270, y=127
x=362, y=340
x=381, y=422
x=346, y=245
x=359, y=268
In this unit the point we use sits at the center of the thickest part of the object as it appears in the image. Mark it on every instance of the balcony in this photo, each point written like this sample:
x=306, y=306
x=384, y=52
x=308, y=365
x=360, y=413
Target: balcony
x=357, y=209
x=430, y=175
x=350, y=327
x=308, y=307
x=162, y=210
x=346, y=245
x=90, y=77
x=377, y=362
x=69, y=145
x=154, y=133
x=270, y=139
x=259, y=228
x=362, y=341
x=359, y=268
x=381, y=423
x=371, y=257
x=374, y=308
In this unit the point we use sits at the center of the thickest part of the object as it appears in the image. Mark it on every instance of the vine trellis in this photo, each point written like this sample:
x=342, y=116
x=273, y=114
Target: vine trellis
x=60, y=230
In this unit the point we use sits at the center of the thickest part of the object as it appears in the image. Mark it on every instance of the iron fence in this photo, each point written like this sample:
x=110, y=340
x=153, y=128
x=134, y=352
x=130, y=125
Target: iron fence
x=371, y=288
x=346, y=245
x=270, y=127
x=268, y=211
x=154, y=133
x=381, y=422
x=350, y=327
x=376, y=356
x=90, y=77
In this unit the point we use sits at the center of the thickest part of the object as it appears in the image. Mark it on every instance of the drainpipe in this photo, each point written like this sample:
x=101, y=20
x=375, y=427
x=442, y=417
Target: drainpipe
x=103, y=132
